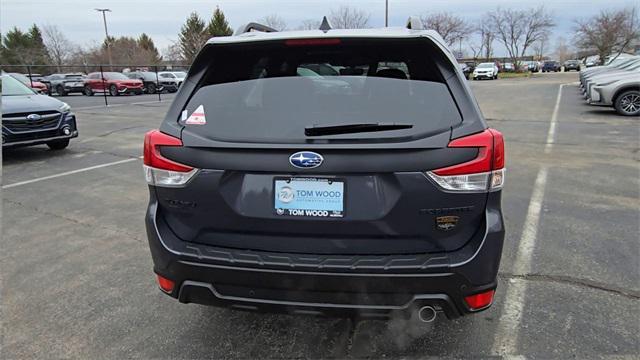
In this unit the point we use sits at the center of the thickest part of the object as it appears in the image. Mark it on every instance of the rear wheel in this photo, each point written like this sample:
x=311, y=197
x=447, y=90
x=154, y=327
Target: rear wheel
x=58, y=144
x=151, y=88
x=60, y=90
x=113, y=90
x=628, y=103
x=87, y=91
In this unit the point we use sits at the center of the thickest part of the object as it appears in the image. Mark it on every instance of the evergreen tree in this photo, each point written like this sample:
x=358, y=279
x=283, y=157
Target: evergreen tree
x=192, y=37
x=21, y=48
x=147, y=45
x=218, y=25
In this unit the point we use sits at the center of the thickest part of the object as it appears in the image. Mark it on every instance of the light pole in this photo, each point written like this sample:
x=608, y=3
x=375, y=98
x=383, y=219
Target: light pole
x=106, y=34
x=386, y=13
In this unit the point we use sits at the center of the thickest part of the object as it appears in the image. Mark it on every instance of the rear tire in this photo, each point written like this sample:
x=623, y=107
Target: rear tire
x=151, y=88
x=60, y=90
x=87, y=91
x=113, y=90
x=628, y=103
x=58, y=144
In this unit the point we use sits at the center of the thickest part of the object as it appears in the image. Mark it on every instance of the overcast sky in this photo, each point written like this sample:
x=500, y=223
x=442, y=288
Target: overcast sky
x=161, y=19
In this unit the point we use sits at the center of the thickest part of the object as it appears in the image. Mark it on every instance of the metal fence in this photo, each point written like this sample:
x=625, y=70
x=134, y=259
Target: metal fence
x=40, y=76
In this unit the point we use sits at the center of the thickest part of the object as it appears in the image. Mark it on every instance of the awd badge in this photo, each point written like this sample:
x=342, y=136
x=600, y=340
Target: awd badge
x=446, y=223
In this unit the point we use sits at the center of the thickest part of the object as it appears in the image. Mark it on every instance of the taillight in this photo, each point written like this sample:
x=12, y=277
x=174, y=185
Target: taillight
x=480, y=301
x=484, y=173
x=160, y=171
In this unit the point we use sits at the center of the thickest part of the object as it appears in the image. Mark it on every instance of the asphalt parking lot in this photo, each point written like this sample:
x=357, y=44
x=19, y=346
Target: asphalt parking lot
x=78, y=283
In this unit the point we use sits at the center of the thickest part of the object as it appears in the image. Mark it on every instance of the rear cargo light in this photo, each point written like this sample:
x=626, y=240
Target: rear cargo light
x=479, y=301
x=160, y=171
x=484, y=173
x=165, y=284
x=311, y=42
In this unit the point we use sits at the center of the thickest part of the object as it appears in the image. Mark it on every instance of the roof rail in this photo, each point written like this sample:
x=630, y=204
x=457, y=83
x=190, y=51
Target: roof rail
x=414, y=23
x=253, y=26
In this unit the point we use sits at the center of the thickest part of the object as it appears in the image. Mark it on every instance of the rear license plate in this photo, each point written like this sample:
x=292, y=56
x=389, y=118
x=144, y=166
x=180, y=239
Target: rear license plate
x=309, y=197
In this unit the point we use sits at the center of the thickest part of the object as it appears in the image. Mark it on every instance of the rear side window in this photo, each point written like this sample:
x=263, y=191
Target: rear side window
x=269, y=92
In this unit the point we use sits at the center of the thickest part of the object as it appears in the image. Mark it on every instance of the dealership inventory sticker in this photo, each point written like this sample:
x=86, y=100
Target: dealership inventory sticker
x=197, y=117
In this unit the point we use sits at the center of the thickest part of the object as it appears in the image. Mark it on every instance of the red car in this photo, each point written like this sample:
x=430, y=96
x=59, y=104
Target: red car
x=35, y=85
x=113, y=83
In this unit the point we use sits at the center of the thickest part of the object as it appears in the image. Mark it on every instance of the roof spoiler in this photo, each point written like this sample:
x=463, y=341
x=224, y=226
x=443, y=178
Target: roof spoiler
x=325, y=25
x=414, y=23
x=253, y=26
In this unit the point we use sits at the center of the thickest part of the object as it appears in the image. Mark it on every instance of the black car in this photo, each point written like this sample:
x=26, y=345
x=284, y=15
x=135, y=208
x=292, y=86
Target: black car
x=31, y=119
x=149, y=80
x=371, y=193
x=550, y=66
x=63, y=84
x=572, y=65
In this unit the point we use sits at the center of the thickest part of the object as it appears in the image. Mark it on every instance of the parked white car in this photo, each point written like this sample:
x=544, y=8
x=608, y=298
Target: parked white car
x=621, y=91
x=486, y=70
x=171, y=80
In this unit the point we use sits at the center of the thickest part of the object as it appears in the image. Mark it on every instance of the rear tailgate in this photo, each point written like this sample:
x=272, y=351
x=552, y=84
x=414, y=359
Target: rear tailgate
x=247, y=117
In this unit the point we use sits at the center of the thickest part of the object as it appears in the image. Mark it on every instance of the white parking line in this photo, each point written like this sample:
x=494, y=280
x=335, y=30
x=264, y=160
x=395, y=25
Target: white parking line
x=68, y=173
x=120, y=104
x=507, y=334
x=97, y=107
x=505, y=341
x=554, y=120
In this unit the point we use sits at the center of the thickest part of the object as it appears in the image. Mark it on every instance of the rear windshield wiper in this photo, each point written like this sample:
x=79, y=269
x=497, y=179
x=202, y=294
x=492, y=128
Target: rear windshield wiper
x=352, y=128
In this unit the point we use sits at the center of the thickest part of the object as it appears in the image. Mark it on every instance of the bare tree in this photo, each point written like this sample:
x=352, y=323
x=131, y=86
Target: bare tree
x=59, y=47
x=476, y=49
x=274, y=21
x=173, y=53
x=346, y=17
x=309, y=24
x=563, y=51
x=452, y=28
x=539, y=48
x=487, y=37
x=610, y=32
x=518, y=30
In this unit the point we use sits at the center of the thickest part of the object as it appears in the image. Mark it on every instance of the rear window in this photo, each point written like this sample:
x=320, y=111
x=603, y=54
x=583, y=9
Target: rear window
x=269, y=92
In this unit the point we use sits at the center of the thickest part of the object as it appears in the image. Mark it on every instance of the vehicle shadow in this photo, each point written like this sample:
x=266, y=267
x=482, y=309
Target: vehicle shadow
x=255, y=335
x=31, y=153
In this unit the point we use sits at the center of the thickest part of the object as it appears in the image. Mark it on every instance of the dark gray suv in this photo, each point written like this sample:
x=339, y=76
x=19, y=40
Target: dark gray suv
x=373, y=191
x=31, y=119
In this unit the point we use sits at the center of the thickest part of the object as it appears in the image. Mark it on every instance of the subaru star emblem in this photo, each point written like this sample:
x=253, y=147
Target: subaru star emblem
x=306, y=159
x=33, y=117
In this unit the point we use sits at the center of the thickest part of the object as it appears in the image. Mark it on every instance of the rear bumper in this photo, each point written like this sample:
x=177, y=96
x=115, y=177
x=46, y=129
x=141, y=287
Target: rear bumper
x=363, y=286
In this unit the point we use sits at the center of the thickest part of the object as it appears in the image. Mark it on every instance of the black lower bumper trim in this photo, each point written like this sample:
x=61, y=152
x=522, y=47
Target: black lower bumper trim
x=10, y=144
x=207, y=294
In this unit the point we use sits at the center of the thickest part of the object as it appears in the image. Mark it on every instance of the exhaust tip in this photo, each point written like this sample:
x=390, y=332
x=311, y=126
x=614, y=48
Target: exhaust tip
x=427, y=314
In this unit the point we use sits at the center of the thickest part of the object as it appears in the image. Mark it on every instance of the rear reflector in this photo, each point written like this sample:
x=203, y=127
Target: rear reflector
x=165, y=284
x=485, y=172
x=480, y=301
x=160, y=171
x=311, y=42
